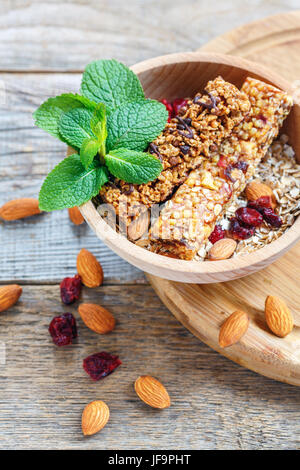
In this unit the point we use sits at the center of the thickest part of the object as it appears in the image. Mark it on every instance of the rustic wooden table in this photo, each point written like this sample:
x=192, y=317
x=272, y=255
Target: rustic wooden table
x=216, y=404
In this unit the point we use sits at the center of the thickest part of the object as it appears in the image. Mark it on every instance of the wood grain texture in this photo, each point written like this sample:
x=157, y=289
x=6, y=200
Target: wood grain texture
x=273, y=42
x=203, y=309
x=191, y=304
x=215, y=403
x=65, y=35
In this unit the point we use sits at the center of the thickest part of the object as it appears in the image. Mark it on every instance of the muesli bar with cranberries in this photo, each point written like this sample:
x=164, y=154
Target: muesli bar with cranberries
x=204, y=123
x=188, y=219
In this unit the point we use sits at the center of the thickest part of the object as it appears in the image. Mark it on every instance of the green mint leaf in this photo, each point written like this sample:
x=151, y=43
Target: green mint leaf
x=135, y=125
x=69, y=184
x=98, y=123
x=111, y=83
x=133, y=167
x=75, y=126
x=89, y=104
x=88, y=150
x=48, y=115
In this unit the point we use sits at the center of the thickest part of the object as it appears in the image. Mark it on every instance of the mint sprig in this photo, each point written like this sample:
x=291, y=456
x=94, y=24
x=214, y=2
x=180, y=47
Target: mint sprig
x=110, y=125
x=98, y=122
x=69, y=184
x=48, y=115
x=134, y=125
x=88, y=150
x=75, y=126
x=133, y=167
x=111, y=83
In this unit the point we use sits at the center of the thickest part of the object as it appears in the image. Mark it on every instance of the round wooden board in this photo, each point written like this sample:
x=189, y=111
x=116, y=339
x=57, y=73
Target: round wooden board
x=274, y=42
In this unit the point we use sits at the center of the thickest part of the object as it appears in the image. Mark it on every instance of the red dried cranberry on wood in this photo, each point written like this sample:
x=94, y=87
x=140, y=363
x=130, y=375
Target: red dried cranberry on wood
x=217, y=234
x=70, y=289
x=63, y=329
x=100, y=365
x=249, y=217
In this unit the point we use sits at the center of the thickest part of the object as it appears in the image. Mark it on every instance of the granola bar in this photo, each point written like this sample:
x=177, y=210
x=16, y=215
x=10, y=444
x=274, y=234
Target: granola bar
x=187, y=139
x=187, y=220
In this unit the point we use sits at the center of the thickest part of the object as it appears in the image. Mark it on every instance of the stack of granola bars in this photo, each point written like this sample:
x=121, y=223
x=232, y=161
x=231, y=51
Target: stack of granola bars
x=208, y=153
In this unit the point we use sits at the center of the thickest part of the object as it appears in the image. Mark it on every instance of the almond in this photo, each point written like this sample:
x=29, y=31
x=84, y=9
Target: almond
x=234, y=327
x=97, y=318
x=222, y=249
x=89, y=269
x=9, y=295
x=152, y=392
x=138, y=227
x=94, y=417
x=278, y=316
x=19, y=209
x=256, y=189
x=75, y=216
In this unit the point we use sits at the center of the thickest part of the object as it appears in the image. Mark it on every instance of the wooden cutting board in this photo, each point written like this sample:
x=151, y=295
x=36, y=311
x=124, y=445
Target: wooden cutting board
x=274, y=42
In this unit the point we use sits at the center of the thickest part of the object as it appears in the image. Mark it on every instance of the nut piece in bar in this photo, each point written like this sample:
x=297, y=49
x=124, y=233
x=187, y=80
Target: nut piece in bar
x=186, y=140
x=187, y=220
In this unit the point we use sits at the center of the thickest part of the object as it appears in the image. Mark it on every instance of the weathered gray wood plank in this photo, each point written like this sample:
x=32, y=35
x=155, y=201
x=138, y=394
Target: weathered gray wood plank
x=44, y=247
x=215, y=403
x=56, y=35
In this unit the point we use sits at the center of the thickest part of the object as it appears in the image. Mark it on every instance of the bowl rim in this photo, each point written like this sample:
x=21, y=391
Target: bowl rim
x=137, y=255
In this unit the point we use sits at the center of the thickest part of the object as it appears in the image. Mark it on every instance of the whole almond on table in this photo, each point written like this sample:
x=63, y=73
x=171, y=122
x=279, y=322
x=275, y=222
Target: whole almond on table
x=19, y=209
x=9, y=295
x=278, y=316
x=222, y=249
x=255, y=189
x=94, y=417
x=152, y=392
x=75, y=216
x=234, y=327
x=97, y=318
x=89, y=269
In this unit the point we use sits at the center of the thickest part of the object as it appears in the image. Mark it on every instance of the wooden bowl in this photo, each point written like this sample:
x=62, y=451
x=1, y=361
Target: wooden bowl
x=179, y=75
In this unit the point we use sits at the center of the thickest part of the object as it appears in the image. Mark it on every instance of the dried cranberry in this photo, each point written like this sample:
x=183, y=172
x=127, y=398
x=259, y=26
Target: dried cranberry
x=270, y=217
x=263, y=201
x=249, y=217
x=240, y=165
x=100, y=365
x=178, y=104
x=239, y=232
x=70, y=288
x=217, y=234
x=169, y=107
x=63, y=329
x=263, y=118
x=222, y=161
x=227, y=172
x=263, y=205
